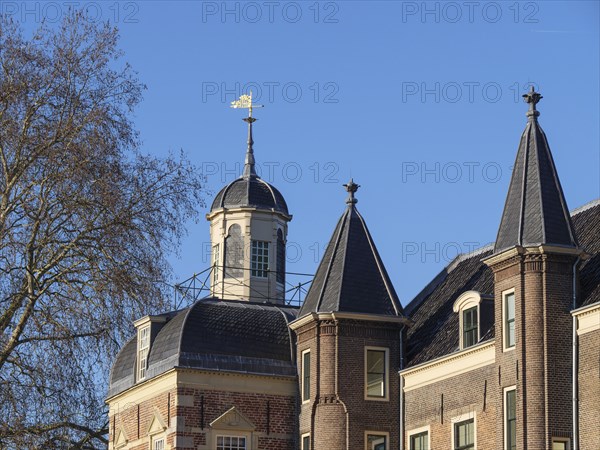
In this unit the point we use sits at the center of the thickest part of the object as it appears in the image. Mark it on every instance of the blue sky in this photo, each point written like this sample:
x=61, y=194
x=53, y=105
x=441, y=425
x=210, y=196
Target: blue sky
x=419, y=102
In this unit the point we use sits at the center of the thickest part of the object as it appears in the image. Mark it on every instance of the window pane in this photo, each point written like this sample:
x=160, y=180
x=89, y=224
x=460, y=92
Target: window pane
x=464, y=435
x=470, y=327
x=306, y=443
x=557, y=445
x=511, y=419
x=509, y=325
x=376, y=373
x=306, y=376
x=419, y=441
x=376, y=442
x=259, y=259
x=231, y=443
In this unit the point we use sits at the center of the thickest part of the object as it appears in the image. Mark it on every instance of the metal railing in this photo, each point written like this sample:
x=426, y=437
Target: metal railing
x=198, y=286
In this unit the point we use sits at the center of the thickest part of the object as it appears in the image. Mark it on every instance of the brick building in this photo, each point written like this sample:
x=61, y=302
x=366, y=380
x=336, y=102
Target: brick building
x=501, y=350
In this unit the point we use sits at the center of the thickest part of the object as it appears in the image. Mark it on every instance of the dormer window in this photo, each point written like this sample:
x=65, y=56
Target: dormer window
x=143, y=348
x=470, y=328
x=475, y=315
x=147, y=329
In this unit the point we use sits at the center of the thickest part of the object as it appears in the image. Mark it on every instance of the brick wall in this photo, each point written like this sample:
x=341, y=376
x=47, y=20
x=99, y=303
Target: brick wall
x=463, y=395
x=540, y=365
x=188, y=412
x=338, y=415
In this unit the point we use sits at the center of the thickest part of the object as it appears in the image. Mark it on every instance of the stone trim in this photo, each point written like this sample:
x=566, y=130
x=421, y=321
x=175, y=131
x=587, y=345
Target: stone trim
x=449, y=366
x=588, y=319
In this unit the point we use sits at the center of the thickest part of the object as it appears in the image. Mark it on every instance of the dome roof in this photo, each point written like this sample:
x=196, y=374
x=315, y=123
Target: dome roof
x=250, y=191
x=215, y=335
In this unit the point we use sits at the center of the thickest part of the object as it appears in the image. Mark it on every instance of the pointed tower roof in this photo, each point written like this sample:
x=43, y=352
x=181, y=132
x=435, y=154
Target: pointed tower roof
x=535, y=212
x=351, y=276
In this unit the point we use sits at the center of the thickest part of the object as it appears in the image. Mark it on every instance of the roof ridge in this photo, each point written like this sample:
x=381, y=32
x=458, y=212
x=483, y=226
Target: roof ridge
x=380, y=267
x=333, y=253
x=349, y=210
x=589, y=205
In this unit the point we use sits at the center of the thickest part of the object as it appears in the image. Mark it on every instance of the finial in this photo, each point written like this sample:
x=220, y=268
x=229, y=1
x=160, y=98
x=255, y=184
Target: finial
x=245, y=101
x=532, y=98
x=351, y=188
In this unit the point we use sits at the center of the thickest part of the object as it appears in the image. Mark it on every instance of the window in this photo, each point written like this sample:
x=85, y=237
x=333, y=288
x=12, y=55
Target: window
x=560, y=444
x=376, y=366
x=143, y=346
x=419, y=441
x=376, y=441
x=470, y=332
x=234, y=253
x=509, y=320
x=475, y=316
x=305, y=376
x=510, y=418
x=259, y=259
x=280, y=258
x=464, y=435
x=216, y=268
x=159, y=444
x=231, y=443
x=305, y=442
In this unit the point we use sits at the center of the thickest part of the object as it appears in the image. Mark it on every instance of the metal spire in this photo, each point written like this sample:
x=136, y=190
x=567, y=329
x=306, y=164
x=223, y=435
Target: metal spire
x=532, y=98
x=351, y=188
x=245, y=101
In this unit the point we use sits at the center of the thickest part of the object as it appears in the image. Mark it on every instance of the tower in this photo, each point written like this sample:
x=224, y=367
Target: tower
x=535, y=267
x=248, y=231
x=349, y=344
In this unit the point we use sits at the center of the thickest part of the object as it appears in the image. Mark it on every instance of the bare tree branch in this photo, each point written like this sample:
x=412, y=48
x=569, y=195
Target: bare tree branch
x=86, y=224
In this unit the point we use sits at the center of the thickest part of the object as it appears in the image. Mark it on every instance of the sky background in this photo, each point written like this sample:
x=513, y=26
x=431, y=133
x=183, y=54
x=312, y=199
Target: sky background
x=419, y=102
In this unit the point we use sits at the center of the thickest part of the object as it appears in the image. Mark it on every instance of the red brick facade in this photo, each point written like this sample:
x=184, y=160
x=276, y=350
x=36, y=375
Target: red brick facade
x=338, y=415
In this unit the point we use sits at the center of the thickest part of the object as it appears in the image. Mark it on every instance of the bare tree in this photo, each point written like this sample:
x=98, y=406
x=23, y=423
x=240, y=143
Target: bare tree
x=86, y=224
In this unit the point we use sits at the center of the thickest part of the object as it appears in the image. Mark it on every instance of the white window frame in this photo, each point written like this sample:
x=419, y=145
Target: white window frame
x=154, y=440
x=504, y=413
x=302, y=437
x=505, y=294
x=142, y=363
x=468, y=300
x=414, y=431
x=230, y=435
x=265, y=252
x=216, y=262
x=386, y=377
x=562, y=440
x=307, y=351
x=378, y=433
x=463, y=418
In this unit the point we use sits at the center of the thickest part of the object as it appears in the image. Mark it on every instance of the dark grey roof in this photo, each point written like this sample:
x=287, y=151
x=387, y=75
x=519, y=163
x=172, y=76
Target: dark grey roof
x=435, y=329
x=250, y=191
x=535, y=211
x=229, y=336
x=351, y=276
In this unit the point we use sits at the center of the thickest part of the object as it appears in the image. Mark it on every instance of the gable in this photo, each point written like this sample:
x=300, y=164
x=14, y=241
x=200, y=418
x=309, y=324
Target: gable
x=120, y=438
x=157, y=424
x=233, y=419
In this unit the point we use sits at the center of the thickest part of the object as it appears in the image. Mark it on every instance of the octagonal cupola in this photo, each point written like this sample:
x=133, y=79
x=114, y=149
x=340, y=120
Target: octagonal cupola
x=248, y=232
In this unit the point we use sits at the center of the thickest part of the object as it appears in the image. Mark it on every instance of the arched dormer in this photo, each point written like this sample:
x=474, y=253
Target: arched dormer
x=475, y=315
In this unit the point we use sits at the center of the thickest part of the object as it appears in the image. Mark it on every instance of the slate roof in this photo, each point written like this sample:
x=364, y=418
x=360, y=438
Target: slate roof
x=535, y=211
x=435, y=330
x=219, y=335
x=251, y=192
x=351, y=276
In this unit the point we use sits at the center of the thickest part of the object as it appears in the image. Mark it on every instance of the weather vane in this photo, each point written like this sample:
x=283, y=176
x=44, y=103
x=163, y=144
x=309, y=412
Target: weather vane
x=245, y=101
